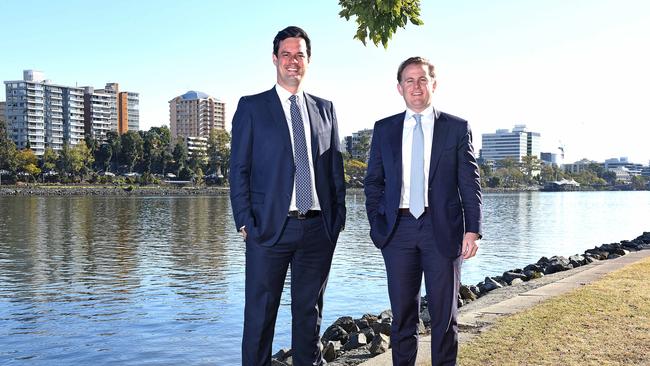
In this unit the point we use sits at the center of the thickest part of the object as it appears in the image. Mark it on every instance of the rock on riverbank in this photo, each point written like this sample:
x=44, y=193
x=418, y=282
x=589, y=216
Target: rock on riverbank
x=350, y=341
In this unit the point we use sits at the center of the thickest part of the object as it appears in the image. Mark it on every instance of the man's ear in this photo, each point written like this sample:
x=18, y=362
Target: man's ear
x=400, y=90
x=275, y=59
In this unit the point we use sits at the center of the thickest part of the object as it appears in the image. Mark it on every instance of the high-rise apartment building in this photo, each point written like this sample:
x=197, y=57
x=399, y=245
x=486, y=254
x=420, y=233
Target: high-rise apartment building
x=353, y=144
x=97, y=113
x=196, y=114
x=513, y=144
x=124, y=109
x=41, y=114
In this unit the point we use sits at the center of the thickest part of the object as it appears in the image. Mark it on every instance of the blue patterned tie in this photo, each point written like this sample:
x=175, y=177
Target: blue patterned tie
x=416, y=195
x=301, y=159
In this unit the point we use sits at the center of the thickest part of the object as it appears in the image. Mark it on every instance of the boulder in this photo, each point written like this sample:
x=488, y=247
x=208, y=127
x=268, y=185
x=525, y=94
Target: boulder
x=557, y=264
x=466, y=293
x=509, y=276
x=577, y=260
x=362, y=323
x=356, y=340
x=369, y=333
x=425, y=317
x=381, y=328
x=335, y=333
x=386, y=314
x=283, y=354
x=370, y=318
x=516, y=281
x=475, y=290
x=380, y=344
x=330, y=350
x=534, y=267
x=489, y=284
x=613, y=256
x=347, y=323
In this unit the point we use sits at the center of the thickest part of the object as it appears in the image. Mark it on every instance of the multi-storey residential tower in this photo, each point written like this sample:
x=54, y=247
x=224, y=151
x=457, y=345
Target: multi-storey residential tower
x=513, y=144
x=41, y=114
x=97, y=113
x=195, y=114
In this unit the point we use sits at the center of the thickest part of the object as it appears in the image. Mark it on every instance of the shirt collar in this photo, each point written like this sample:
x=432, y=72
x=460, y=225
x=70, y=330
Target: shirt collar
x=284, y=94
x=427, y=114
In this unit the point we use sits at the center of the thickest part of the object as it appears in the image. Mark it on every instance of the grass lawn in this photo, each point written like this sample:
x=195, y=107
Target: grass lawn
x=604, y=323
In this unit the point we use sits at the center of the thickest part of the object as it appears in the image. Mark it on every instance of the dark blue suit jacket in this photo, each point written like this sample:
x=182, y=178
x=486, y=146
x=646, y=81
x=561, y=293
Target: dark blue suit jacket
x=454, y=192
x=262, y=166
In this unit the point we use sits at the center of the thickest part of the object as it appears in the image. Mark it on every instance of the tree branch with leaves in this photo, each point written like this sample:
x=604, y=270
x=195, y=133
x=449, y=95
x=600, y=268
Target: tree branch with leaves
x=378, y=20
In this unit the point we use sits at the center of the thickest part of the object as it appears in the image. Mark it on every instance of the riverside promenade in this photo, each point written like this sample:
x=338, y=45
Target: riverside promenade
x=484, y=312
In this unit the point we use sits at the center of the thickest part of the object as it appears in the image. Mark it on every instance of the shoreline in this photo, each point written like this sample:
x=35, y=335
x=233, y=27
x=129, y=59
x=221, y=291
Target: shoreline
x=39, y=189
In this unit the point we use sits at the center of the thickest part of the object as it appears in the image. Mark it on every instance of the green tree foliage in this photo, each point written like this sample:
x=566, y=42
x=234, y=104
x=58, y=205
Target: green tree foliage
x=355, y=171
x=378, y=20
x=103, y=157
x=28, y=163
x=48, y=160
x=530, y=164
x=639, y=183
x=115, y=141
x=8, y=152
x=180, y=158
x=218, y=152
x=132, y=148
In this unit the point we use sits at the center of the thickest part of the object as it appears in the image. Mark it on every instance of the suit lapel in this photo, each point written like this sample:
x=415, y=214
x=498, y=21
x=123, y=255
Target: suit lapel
x=395, y=139
x=440, y=132
x=279, y=119
x=315, y=121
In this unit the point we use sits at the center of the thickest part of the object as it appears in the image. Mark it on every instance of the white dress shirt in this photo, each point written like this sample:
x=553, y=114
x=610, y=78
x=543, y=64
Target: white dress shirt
x=407, y=146
x=286, y=106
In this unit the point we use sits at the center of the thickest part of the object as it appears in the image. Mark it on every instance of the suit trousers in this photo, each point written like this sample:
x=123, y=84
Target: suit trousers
x=410, y=252
x=305, y=247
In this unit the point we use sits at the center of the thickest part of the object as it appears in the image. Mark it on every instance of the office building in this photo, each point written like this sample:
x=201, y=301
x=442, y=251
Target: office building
x=513, y=144
x=195, y=114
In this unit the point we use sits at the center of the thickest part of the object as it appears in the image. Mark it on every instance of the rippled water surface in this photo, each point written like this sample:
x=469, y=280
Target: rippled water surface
x=159, y=280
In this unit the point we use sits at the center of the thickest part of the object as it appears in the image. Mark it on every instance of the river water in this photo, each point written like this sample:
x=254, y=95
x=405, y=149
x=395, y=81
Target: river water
x=159, y=280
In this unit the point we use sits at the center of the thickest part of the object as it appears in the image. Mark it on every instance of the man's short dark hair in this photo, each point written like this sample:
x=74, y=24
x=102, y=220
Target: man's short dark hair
x=418, y=61
x=290, y=32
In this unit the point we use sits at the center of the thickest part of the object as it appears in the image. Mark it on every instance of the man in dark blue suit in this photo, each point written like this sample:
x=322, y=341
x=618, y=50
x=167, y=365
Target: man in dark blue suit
x=423, y=199
x=287, y=192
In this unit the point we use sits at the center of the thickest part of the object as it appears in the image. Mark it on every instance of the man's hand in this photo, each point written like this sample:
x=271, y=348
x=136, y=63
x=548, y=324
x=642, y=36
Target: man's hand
x=242, y=232
x=469, y=245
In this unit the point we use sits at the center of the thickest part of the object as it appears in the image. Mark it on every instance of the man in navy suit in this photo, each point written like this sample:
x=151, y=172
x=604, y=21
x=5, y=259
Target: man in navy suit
x=287, y=192
x=423, y=199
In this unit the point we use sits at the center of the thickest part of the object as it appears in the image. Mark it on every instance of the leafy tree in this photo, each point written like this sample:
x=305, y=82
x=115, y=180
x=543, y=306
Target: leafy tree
x=530, y=165
x=180, y=156
x=218, y=151
x=132, y=147
x=8, y=151
x=639, y=183
x=114, y=140
x=103, y=157
x=363, y=147
x=378, y=20
x=27, y=163
x=355, y=171
x=48, y=160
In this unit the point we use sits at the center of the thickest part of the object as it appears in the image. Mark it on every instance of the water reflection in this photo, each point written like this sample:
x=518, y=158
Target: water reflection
x=106, y=280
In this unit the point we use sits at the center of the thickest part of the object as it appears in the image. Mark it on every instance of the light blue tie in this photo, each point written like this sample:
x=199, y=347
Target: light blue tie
x=416, y=196
x=301, y=159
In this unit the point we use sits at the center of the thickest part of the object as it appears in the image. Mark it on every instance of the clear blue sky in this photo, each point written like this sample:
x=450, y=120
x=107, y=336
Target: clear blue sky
x=575, y=71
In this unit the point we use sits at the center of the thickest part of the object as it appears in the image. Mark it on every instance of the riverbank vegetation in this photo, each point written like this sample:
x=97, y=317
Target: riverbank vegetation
x=142, y=157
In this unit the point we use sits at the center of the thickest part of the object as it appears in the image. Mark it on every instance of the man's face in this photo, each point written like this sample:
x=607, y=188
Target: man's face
x=416, y=87
x=291, y=62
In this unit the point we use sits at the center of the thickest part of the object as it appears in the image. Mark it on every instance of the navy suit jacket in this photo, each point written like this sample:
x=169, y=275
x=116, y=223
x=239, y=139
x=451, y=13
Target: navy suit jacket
x=262, y=166
x=454, y=190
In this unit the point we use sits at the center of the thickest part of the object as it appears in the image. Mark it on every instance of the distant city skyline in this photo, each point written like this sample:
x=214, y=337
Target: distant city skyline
x=574, y=71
